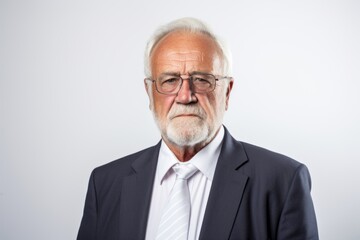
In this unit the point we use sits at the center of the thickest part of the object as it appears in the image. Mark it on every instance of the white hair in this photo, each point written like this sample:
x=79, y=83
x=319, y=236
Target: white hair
x=192, y=25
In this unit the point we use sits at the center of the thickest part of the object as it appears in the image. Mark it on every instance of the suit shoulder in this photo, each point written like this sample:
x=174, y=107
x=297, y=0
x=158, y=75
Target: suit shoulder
x=269, y=159
x=121, y=165
x=271, y=169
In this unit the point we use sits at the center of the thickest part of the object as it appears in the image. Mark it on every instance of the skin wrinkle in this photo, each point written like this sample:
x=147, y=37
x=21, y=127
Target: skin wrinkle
x=181, y=59
x=187, y=56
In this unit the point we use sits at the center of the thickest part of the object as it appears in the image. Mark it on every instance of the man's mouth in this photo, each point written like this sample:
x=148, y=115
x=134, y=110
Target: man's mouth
x=186, y=115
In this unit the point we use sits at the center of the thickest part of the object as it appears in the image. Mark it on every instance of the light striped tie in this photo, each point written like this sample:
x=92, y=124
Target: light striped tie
x=174, y=224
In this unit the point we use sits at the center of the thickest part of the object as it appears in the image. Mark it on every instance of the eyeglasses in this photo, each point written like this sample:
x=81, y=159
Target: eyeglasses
x=199, y=83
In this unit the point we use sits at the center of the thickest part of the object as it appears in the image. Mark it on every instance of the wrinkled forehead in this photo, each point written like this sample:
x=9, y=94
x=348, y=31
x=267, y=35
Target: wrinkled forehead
x=174, y=56
x=186, y=51
x=192, y=55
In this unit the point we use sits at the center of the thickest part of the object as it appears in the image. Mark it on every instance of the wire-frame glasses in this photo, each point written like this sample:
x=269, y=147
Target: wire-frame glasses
x=171, y=84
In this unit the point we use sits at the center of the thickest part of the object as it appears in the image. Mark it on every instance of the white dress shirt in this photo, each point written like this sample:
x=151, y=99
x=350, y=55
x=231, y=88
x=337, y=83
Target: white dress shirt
x=199, y=185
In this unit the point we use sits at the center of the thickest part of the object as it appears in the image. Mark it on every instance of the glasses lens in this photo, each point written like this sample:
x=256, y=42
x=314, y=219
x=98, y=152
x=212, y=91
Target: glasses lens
x=203, y=82
x=168, y=84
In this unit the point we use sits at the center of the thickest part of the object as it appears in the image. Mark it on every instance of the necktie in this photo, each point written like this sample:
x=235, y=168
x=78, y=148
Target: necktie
x=174, y=224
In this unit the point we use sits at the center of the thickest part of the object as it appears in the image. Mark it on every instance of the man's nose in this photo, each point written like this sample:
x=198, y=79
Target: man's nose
x=186, y=93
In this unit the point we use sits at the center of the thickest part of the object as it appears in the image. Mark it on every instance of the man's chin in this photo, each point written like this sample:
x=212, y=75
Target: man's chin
x=187, y=135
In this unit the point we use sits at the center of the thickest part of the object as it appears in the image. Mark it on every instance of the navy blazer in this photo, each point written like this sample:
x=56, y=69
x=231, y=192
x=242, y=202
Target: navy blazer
x=256, y=194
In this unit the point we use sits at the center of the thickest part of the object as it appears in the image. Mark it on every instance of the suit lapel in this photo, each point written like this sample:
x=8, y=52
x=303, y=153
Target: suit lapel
x=226, y=191
x=136, y=195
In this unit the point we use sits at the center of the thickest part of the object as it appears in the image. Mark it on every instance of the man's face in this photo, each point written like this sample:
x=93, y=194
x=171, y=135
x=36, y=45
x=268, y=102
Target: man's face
x=188, y=118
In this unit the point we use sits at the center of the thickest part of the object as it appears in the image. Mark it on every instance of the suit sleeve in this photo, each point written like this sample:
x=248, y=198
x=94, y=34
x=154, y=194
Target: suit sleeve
x=87, y=229
x=298, y=221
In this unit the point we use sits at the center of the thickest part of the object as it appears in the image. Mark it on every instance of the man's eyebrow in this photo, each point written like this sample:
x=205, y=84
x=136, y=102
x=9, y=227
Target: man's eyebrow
x=198, y=72
x=171, y=73
x=178, y=73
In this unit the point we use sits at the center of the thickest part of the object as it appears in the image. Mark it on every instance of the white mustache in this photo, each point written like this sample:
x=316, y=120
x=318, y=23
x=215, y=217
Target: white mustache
x=177, y=110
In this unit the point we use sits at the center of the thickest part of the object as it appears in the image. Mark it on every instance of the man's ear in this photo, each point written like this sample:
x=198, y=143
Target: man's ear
x=148, y=89
x=146, y=86
x=228, y=91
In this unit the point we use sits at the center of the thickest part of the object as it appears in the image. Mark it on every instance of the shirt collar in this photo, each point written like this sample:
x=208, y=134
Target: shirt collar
x=205, y=160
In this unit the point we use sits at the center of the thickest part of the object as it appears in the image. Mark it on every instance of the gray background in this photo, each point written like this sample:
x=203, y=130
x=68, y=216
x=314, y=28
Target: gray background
x=72, y=98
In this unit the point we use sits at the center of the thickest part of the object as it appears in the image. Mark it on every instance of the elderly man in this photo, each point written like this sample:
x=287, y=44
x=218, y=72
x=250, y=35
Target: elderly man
x=198, y=182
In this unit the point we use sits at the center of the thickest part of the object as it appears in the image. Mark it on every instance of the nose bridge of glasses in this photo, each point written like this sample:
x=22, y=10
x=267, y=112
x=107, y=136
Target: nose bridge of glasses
x=189, y=82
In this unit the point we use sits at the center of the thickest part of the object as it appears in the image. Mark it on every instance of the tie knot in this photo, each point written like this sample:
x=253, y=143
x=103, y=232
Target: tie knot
x=184, y=171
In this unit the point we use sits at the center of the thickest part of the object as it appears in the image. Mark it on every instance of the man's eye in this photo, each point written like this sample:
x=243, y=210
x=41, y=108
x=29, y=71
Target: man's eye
x=170, y=81
x=201, y=80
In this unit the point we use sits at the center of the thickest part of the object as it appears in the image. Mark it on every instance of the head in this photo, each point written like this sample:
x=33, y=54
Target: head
x=184, y=48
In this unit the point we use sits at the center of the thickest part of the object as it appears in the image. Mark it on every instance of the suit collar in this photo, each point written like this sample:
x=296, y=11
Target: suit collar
x=147, y=159
x=233, y=152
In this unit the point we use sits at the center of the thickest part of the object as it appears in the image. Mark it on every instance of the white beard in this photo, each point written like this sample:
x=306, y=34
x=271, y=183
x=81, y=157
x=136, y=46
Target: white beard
x=187, y=131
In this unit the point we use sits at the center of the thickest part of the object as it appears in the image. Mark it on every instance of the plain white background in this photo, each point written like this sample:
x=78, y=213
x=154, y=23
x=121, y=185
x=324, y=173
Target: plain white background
x=72, y=98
